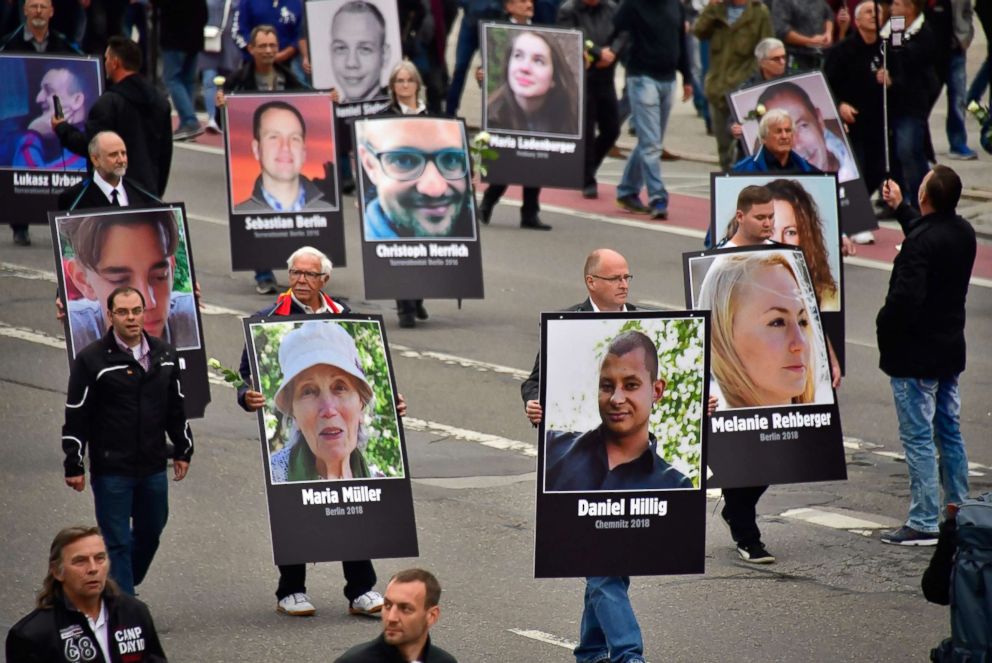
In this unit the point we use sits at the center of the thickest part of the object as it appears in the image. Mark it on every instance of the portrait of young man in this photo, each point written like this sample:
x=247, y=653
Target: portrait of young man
x=357, y=52
x=416, y=180
x=75, y=82
x=621, y=453
x=279, y=146
x=141, y=248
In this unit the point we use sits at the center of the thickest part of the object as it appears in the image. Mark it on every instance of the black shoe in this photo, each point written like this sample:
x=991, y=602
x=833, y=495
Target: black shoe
x=348, y=186
x=633, y=205
x=21, y=237
x=755, y=553
x=421, y=311
x=534, y=223
x=406, y=320
x=590, y=191
x=907, y=536
x=266, y=287
x=187, y=132
x=485, y=213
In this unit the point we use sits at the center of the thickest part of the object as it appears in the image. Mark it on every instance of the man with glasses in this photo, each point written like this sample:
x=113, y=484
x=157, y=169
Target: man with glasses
x=418, y=170
x=309, y=272
x=279, y=136
x=609, y=630
x=124, y=397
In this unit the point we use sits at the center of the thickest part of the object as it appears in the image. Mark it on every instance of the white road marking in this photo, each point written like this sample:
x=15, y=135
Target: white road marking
x=835, y=519
x=213, y=309
x=207, y=219
x=485, y=439
x=483, y=366
x=196, y=147
x=546, y=638
x=463, y=483
x=32, y=336
x=29, y=273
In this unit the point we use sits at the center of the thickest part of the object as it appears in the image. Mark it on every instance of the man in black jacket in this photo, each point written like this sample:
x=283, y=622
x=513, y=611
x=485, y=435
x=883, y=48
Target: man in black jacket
x=35, y=35
x=921, y=345
x=181, y=24
x=657, y=38
x=595, y=19
x=850, y=70
x=133, y=109
x=80, y=613
x=411, y=609
x=913, y=84
x=124, y=396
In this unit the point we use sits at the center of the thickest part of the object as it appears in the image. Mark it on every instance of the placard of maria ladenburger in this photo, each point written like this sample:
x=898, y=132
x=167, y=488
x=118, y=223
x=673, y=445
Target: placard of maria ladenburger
x=533, y=104
x=621, y=455
x=333, y=453
x=777, y=419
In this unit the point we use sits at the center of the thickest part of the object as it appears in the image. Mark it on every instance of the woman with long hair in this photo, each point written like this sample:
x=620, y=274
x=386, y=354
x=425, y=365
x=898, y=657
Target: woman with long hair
x=538, y=92
x=762, y=334
x=797, y=222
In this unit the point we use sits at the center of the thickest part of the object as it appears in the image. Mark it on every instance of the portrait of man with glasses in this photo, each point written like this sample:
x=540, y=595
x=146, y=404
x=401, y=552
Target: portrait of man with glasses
x=417, y=179
x=144, y=249
x=279, y=145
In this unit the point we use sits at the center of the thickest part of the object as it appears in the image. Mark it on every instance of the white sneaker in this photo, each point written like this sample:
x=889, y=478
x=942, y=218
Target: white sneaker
x=369, y=603
x=863, y=237
x=212, y=127
x=297, y=605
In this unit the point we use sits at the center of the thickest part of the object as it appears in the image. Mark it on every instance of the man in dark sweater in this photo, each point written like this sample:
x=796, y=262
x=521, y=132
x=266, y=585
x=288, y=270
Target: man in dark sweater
x=921, y=348
x=136, y=111
x=410, y=610
x=657, y=33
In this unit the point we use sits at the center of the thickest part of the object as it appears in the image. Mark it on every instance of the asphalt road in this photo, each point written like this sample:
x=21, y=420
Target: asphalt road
x=836, y=594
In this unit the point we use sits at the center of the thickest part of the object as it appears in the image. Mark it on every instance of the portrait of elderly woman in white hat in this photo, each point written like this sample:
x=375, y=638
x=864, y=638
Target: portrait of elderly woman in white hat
x=324, y=394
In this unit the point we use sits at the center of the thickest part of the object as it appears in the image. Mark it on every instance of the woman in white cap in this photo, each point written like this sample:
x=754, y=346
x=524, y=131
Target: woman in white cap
x=324, y=392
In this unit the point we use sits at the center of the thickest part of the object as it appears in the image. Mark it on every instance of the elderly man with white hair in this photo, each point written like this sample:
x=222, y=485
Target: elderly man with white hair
x=775, y=130
x=309, y=273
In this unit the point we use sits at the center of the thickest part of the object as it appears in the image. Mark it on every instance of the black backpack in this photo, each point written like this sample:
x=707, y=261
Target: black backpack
x=971, y=587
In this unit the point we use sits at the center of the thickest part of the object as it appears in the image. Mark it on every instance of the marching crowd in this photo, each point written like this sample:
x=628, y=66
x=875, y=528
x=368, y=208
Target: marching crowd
x=125, y=398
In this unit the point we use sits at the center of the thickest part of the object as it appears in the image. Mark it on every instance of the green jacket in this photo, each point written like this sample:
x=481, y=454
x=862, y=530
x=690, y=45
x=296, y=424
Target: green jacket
x=731, y=46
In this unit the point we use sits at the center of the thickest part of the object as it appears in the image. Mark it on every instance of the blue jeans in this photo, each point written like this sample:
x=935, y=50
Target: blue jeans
x=929, y=423
x=131, y=513
x=910, y=157
x=468, y=44
x=609, y=628
x=209, y=93
x=957, y=84
x=179, y=71
x=980, y=85
x=650, y=104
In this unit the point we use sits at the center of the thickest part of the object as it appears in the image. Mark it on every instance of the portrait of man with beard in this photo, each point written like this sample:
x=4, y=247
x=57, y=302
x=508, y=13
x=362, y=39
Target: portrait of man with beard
x=416, y=181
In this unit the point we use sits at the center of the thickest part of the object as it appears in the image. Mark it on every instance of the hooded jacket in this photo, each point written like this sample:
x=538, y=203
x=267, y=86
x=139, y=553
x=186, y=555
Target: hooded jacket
x=143, y=118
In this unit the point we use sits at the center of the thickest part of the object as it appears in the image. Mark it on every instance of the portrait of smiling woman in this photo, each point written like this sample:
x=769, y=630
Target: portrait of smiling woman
x=534, y=85
x=766, y=346
x=327, y=407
